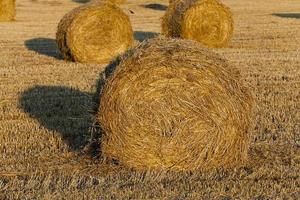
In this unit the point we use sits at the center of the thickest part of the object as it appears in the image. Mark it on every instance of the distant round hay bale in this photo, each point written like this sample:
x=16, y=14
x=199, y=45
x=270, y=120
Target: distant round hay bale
x=94, y=33
x=7, y=10
x=206, y=21
x=173, y=104
x=118, y=1
x=113, y=1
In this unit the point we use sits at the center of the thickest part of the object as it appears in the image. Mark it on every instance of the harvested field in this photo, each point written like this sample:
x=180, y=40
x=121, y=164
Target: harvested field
x=46, y=109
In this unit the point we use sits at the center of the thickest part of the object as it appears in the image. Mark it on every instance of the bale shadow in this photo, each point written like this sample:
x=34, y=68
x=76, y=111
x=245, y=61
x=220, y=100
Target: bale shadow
x=81, y=1
x=141, y=35
x=43, y=46
x=69, y=112
x=155, y=6
x=287, y=15
x=60, y=109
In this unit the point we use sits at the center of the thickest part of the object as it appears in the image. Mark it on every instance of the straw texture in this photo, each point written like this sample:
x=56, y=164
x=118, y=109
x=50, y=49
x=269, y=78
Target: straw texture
x=173, y=104
x=94, y=33
x=118, y=1
x=206, y=21
x=7, y=10
x=113, y=1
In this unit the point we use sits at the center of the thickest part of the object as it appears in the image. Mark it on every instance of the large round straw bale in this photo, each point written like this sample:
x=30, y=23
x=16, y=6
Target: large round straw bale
x=94, y=33
x=173, y=104
x=206, y=21
x=7, y=10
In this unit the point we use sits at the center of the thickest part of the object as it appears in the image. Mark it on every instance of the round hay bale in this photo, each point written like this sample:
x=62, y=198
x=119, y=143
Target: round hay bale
x=206, y=21
x=7, y=10
x=173, y=104
x=94, y=33
x=113, y=1
x=118, y=1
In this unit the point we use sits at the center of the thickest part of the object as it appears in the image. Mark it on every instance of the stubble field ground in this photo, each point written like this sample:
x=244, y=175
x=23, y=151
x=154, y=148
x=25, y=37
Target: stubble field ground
x=46, y=108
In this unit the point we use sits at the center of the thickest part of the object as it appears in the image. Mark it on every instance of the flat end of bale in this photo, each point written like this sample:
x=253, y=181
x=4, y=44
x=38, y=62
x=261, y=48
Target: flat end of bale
x=174, y=104
x=206, y=21
x=94, y=33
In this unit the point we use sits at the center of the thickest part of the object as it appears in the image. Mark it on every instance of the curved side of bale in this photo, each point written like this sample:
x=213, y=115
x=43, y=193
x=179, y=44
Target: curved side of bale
x=173, y=104
x=62, y=31
x=7, y=10
x=94, y=33
x=206, y=21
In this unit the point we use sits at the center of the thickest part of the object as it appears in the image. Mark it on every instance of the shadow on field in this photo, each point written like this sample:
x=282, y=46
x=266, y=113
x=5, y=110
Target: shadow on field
x=141, y=35
x=60, y=109
x=155, y=6
x=69, y=112
x=288, y=15
x=81, y=1
x=43, y=46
